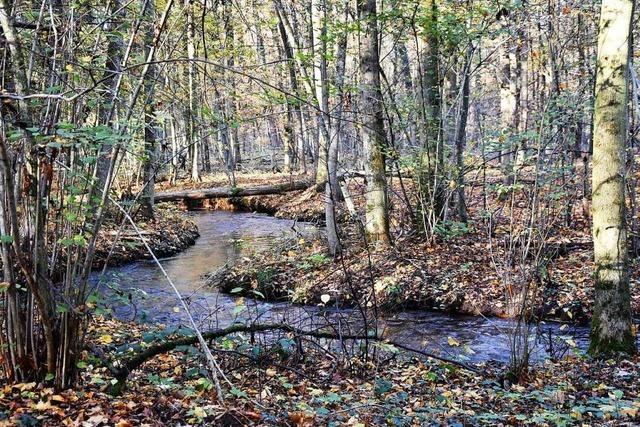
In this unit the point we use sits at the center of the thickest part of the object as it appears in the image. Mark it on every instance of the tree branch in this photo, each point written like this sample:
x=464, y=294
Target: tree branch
x=136, y=361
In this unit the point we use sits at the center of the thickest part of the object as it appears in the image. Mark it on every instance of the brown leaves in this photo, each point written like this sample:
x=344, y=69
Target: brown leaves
x=302, y=419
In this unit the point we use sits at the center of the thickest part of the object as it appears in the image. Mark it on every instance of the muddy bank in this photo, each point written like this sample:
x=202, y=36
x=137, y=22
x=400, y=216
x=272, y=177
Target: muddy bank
x=301, y=205
x=170, y=233
x=296, y=205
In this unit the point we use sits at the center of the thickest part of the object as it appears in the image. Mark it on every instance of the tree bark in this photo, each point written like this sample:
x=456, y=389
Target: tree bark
x=149, y=156
x=113, y=69
x=611, y=327
x=191, y=71
x=319, y=43
x=432, y=193
x=461, y=134
x=373, y=134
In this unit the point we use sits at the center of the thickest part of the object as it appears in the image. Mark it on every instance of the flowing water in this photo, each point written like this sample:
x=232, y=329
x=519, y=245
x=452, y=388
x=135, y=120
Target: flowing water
x=145, y=295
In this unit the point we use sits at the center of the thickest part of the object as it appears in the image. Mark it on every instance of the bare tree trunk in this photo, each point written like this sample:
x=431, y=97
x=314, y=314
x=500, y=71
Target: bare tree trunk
x=405, y=73
x=230, y=100
x=461, y=133
x=319, y=42
x=272, y=127
x=149, y=163
x=189, y=111
x=611, y=326
x=509, y=95
x=110, y=78
x=431, y=167
x=332, y=190
x=373, y=135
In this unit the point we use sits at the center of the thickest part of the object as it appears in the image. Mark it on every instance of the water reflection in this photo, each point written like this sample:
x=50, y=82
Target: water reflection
x=226, y=236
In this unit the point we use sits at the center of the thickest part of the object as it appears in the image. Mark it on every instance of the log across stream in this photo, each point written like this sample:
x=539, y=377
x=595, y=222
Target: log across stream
x=226, y=236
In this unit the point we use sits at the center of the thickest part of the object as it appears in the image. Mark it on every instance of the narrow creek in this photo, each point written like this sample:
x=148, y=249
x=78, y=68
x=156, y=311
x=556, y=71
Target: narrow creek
x=225, y=236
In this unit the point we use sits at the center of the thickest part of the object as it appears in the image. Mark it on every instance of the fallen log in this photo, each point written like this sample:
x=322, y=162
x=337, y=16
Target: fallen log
x=121, y=373
x=228, y=192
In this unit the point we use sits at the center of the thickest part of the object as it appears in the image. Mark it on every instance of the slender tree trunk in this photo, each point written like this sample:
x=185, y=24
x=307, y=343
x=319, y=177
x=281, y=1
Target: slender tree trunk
x=319, y=43
x=508, y=101
x=110, y=82
x=332, y=190
x=230, y=100
x=461, y=134
x=431, y=173
x=189, y=111
x=149, y=163
x=373, y=135
x=405, y=72
x=611, y=327
x=272, y=127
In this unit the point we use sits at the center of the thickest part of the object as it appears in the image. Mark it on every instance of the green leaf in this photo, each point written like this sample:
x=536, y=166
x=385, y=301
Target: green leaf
x=382, y=386
x=238, y=393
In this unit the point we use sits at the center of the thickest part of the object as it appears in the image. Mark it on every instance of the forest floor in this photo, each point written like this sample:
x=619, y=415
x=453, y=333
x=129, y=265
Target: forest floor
x=280, y=386
x=463, y=270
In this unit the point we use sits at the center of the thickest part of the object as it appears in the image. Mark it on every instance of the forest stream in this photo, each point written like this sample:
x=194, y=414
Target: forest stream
x=226, y=236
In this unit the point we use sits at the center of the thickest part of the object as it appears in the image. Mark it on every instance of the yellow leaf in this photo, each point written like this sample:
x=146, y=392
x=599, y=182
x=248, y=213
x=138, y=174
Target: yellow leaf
x=25, y=386
x=453, y=342
x=199, y=412
x=105, y=339
x=42, y=406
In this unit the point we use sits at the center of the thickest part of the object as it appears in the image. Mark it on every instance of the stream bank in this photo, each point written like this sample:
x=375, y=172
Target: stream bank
x=462, y=270
x=139, y=291
x=168, y=234
x=278, y=388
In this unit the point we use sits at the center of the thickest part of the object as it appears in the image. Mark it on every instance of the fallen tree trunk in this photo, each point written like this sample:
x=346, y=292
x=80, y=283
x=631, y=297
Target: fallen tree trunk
x=129, y=365
x=228, y=192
